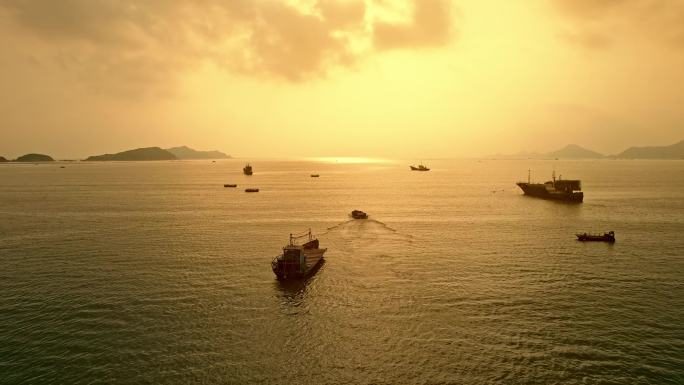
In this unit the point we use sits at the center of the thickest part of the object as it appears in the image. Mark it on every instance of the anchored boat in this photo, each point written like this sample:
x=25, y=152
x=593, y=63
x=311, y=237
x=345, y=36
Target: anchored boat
x=247, y=170
x=298, y=261
x=606, y=237
x=556, y=189
x=420, y=167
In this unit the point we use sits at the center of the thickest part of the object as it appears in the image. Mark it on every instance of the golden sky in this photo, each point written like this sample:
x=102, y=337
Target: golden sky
x=314, y=78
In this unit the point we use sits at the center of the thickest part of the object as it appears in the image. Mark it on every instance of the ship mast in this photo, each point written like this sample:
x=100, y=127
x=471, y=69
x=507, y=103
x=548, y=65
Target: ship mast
x=529, y=172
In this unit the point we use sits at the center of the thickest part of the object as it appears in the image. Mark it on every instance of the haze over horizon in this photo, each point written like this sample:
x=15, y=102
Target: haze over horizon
x=394, y=79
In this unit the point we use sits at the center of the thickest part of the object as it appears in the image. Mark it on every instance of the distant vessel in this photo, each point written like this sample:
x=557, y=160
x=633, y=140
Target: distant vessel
x=420, y=167
x=606, y=237
x=252, y=190
x=562, y=190
x=247, y=170
x=229, y=185
x=315, y=175
x=358, y=214
x=298, y=261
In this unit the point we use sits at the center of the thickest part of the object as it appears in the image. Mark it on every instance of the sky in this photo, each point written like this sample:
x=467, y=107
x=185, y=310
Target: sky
x=411, y=79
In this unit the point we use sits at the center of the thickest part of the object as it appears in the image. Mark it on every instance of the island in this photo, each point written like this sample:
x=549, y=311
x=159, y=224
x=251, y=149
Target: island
x=34, y=158
x=185, y=152
x=139, y=154
x=3, y=159
x=571, y=151
x=675, y=151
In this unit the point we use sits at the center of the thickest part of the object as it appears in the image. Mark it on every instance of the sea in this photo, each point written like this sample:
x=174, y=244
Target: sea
x=155, y=273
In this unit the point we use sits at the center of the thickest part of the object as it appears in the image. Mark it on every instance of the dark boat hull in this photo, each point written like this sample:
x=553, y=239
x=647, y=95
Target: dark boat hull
x=540, y=191
x=596, y=238
x=314, y=259
x=356, y=214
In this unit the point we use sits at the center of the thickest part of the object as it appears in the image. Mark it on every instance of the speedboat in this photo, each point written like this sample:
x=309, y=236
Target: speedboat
x=358, y=214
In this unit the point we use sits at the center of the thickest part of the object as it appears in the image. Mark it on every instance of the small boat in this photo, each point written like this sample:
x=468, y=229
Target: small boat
x=247, y=170
x=298, y=261
x=252, y=190
x=606, y=237
x=358, y=214
x=420, y=167
x=315, y=175
x=229, y=185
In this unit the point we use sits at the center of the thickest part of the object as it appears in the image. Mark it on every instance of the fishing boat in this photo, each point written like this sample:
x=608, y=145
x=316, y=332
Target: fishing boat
x=298, y=261
x=605, y=237
x=420, y=167
x=252, y=190
x=358, y=214
x=229, y=185
x=247, y=170
x=315, y=175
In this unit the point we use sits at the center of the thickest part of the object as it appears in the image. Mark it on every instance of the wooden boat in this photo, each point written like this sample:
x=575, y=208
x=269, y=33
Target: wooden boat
x=315, y=175
x=229, y=185
x=358, y=214
x=247, y=170
x=420, y=167
x=298, y=261
x=252, y=190
x=606, y=237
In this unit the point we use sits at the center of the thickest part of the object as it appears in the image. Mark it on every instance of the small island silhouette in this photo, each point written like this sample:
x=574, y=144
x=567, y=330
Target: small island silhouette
x=157, y=153
x=146, y=153
x=34, y=158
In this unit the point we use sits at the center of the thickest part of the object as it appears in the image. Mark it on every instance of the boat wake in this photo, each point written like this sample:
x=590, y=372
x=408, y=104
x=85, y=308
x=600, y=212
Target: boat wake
x=366, y=230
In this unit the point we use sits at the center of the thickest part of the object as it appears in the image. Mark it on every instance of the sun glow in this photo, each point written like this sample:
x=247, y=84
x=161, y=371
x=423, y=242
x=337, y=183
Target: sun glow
x=349, y=160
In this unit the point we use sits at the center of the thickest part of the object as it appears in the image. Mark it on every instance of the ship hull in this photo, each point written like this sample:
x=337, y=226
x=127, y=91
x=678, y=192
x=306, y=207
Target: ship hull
x=596, y=238
x=313, y=260
x=540, y=191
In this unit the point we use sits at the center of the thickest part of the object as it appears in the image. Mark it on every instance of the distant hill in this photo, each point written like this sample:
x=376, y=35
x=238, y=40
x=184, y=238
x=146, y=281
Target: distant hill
x=2, y=159
x=147, y=153
x=573, y=151
x=185, y=152
x=34, y=158
x=675, y=151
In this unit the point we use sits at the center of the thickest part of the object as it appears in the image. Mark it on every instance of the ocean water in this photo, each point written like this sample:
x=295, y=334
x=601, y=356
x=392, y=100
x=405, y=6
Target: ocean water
x=153, y=272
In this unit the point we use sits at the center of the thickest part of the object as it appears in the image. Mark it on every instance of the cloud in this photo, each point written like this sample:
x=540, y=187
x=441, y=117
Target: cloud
x=129, y=45
x=430, y=26
x=603, y=23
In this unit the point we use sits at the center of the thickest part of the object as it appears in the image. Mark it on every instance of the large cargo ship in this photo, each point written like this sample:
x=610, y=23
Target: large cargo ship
x=557, y=189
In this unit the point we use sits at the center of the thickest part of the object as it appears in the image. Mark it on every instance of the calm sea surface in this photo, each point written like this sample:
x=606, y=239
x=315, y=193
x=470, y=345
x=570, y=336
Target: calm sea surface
x=155, y=273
